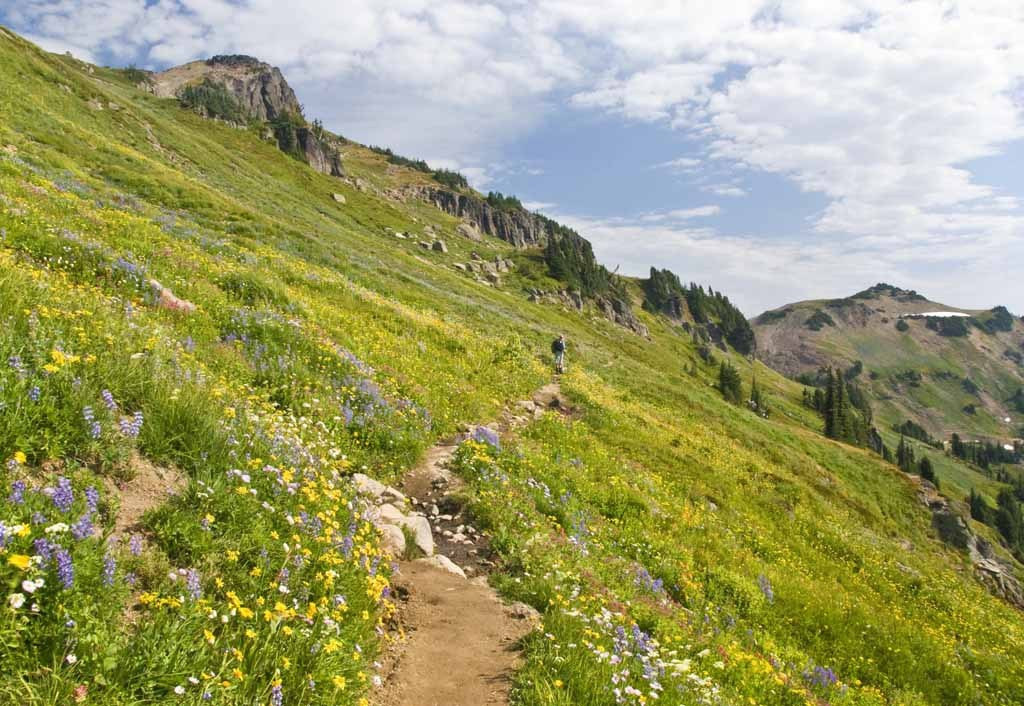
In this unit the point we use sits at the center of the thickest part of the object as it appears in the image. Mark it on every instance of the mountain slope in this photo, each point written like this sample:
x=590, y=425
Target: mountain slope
x=716, y=555
x=946, y=373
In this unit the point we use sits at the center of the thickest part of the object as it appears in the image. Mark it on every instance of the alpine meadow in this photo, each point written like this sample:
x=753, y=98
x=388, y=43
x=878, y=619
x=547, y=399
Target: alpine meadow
x=234, y=343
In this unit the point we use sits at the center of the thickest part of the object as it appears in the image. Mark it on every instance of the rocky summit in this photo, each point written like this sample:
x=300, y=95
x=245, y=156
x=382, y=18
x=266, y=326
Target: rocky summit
x=242, y=89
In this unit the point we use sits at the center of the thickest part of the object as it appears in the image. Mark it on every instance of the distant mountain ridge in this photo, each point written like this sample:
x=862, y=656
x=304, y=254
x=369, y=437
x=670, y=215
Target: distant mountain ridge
x=946, y=368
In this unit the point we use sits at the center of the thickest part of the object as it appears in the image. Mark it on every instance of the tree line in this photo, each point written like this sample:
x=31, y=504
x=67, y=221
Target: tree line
x=665, y=293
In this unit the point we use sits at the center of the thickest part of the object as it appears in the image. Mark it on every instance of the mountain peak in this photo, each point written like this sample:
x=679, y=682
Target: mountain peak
x=885, y=289
x=260, y=89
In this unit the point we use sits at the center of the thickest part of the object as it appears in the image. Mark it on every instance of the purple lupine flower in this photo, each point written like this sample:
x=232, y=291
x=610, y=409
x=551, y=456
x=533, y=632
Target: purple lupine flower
x=38, y=518
x=83, y=528
x=16, y=364
x=192, y=582
x=487, y=436
x=109, y=569
x=131, y=427
x=65, y=568
x=820, y=676
x=92, y=498
x=95, y=430
x=35, y=393
x=276, y=695
x=766, y=588
x=17, y=496
x=135, y=544
x=130, y=578
x=43, y=548
x=108, y=400
x=63, y=497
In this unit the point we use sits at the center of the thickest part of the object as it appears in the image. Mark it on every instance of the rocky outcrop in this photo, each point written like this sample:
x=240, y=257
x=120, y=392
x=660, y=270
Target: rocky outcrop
x=262, y=95
x=260, y=89
x=994, y=573
x=611, y=308
x=320, y=155
x=516, y=226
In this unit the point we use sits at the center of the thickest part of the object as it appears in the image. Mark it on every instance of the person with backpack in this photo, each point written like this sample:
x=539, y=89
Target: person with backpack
x=558, y=348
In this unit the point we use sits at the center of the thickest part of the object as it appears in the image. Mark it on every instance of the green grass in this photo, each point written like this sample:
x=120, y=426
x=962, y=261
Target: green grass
x=322, y=344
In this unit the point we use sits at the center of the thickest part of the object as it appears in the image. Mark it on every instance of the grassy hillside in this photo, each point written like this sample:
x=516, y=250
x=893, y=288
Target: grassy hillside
x=681, y=549
x=946, y=383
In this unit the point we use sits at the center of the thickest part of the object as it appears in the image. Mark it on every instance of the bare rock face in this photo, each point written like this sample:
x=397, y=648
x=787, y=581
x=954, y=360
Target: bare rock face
x=319, y=154
x=995, y=574
x=262, y=93
x=519, y=227
x=258, y=87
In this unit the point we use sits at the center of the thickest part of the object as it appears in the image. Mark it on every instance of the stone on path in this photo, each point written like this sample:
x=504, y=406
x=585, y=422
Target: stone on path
x=444, y=563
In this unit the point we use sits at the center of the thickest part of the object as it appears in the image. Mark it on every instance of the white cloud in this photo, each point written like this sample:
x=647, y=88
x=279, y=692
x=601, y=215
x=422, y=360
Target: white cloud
x=681, y=214
x=724, y=190
x=538, y=205
x=687, y=165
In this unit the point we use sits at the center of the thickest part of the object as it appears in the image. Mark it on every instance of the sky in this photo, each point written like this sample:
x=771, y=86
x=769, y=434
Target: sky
x=777, y=150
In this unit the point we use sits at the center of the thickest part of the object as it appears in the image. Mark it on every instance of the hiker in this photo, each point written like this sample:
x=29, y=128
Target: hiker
x=558, y=348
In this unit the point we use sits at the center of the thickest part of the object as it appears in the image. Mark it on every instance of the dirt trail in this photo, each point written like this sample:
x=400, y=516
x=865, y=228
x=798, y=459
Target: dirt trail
x=461, y=642
x=460, y=645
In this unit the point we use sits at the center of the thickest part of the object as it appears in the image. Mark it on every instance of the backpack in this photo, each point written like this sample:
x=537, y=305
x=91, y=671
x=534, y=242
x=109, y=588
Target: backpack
x=557, y=346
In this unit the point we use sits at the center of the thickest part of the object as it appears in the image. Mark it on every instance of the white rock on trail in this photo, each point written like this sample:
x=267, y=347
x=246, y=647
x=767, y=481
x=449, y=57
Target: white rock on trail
x=393, y=539
x=392, y=495
x=444, y=563
x=420, y=528
x=367, y=485
x=390, y=514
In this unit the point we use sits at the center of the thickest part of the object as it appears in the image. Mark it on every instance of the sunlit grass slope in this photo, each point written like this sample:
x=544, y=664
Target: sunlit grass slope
x=682, y=550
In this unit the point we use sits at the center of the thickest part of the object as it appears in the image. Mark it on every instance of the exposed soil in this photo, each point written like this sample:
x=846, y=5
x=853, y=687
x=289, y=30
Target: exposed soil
x=149, y=488
x=460, y=644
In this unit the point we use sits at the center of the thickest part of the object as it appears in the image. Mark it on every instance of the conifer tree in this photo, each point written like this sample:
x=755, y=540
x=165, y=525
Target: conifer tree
x=830, y=407
x=980, y=510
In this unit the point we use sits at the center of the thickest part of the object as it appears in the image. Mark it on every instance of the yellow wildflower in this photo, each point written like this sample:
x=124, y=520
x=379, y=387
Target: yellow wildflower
x=19, y=561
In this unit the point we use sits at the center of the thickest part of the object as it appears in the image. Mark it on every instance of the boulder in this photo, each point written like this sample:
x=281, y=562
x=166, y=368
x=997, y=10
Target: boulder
x=393, y=495
x=390, y=514
x=439, y=246
x=475, y=255
x=459, y=266
x=165, y=298
x=424, y=244
x=368, y=486
x=494, y=278
x=420, y=527
x=445, y=564
x=468, y=230
x=393, y=539
x=340, y=198
x=522, y=611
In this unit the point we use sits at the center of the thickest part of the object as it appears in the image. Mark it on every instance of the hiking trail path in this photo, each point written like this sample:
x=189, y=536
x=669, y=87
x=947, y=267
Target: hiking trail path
x=456, y=641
